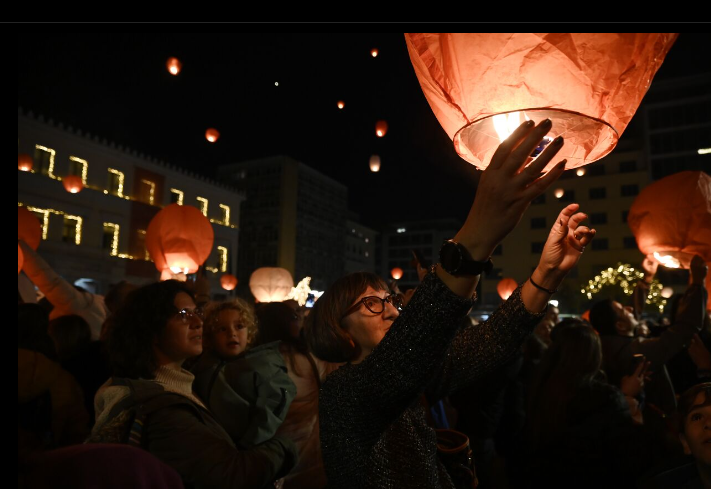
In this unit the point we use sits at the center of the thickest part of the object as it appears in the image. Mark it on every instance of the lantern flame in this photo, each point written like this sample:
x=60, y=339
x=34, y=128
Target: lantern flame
x=341, y=104
x=559, y=192
x=212, y=135
x=580, y=172
x=505, y=124
x=667, y=260
x=24, y=162
x=174, y=65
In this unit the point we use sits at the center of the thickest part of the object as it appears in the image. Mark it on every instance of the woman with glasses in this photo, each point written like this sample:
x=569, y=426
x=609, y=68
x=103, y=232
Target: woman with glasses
x=373, y=427
x=150, y=401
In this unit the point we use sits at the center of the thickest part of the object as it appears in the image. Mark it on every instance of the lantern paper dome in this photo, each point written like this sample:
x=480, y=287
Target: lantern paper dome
x=671, y=219
x=20, y=259
x=28, y=227
x=481, y=86
x=73, y=184
x=374, y=163
x=174, y=65
x=506, y=287
x=271, y=284
x=396, y=273
x=24, y=162
x=381, y=128
x=179, y=239
x=212, y=135
x=228, y=281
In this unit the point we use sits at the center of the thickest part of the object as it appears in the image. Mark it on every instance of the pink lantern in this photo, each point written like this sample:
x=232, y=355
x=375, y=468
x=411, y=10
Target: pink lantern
x=381, y=128
x=271, y=284
x=72, y=184
x=396, y=273
x=506, y=287
x=482, y=86
x=212, y=135
x=24, y=162
x=174, y=65
x=228, y=281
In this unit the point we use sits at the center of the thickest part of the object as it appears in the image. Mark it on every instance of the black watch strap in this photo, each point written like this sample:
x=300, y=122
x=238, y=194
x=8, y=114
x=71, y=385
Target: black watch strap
x=456, y=260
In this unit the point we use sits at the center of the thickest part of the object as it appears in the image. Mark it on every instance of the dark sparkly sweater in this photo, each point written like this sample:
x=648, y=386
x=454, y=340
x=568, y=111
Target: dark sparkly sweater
x=373, y=427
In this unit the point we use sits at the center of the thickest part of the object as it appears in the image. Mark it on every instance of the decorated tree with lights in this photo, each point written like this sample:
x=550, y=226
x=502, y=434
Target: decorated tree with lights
x=619, y=282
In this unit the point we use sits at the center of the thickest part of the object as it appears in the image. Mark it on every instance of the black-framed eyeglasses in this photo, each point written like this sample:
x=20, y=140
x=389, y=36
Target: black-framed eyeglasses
x=376, y=304
x=186, y=315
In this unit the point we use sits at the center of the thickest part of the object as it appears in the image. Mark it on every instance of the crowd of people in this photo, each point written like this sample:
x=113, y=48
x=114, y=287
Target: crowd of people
x=157, y=386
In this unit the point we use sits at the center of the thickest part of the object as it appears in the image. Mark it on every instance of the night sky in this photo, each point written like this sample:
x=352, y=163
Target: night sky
x=117, y=86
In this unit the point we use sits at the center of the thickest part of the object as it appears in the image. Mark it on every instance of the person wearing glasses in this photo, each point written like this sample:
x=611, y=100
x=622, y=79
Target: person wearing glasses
x=154, y=332
x=373, y=427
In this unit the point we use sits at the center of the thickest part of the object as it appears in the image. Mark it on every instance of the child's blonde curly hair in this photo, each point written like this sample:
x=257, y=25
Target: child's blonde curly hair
x=246, y=314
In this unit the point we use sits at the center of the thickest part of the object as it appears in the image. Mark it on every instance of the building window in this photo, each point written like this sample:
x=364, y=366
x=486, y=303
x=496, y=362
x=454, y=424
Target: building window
x=43, y=217
x=140, y=246
x=147, y=191
x=541, y=199
x=628, y=166
x=568, y=196
x=225, y=214
x=176, y=196
x=598, y=218
x=115, y=183
x=78, y=167
x=71, y=233
x=110, y=238
x=222, y=258
x=624, y=216
x=595, y=170
x=537, y=246
x=598, y=193
x=203, y=205
x=629, y=190
x=629, y=243
x=44, y=157
x=538, y=223
x=599, y=244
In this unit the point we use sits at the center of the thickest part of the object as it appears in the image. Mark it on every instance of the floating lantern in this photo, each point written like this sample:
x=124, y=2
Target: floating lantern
x=481, y=86
x=20, y=259
x=174, y=66
x=381, y=128
x=374, y=53
x=667, y=292
x=28, y=227
x=179, y=239
x=580, y=172
x=396, y=273
x=72, y=184
x=559, y=192
x=24, y=162
x=271, y=284
x=506, y=287
x=228, y=281
x=671, y=219
x=374, y=163
x=341, y=104
x=212, y=135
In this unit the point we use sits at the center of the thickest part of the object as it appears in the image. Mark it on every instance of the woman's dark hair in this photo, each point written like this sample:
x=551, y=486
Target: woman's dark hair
x=70, y=334
x=32, y=321
x=141, y=318
x=603, y=317
x=571, y=362
x=274, y=319
x=322, y=328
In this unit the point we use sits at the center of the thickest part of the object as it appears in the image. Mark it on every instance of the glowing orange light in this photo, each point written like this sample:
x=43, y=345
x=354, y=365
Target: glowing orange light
x=341, y=104
x=381, y=128
x=374, y=53
x=228, y=281
x=580, y=172
x=174, y=65
x=375, y=163
x=506, y=287
x=212, y=135
x=20, y=259
x=24, y=162
x=73, y=184
x=396, y=273
x=270, y=284
x=559, y=192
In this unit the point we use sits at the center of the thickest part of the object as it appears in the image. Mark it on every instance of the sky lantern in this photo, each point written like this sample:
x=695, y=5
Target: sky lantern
x=374, y=53
x=506, y=287
x=28, y=227
x=228, y=281
x=24, y=162
x=174, y=65
x=381, y=128
x=72, y=184
x=20, y=259
x=341, y=104
x=271, y=284
x=481, y=86
x=580, y=172
x=179, y=239
x=374, y=163
x=396, y=273
x=667, y=292
x=212, y=135
x=671, y=219
x=559, y=192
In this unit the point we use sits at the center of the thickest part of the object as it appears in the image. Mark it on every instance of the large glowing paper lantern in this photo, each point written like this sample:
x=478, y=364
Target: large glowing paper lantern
x=212, y=135
x=396, y=273
x=228, y=281
x=174, y=65
x=20, y=259
x=72, y=184
x=270, y=284
x=506, y=287
x=381, y=128
x=24, y=162
x=671, y=219
x=374, y=163
x=28, y=228
x=482, y=86
x=179, y=238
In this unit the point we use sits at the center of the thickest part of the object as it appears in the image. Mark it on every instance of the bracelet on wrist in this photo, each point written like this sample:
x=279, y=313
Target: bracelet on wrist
x=551, y=292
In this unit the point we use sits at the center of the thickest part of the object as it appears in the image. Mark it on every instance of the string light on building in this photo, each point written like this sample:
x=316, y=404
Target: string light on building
x=223, y=258
x=119, y=190
x=625, y=277
x=180, y=195
x=50, y=170
x=151, y=192
x=203, y=205
x=115, y=238
x=226, y=214
x=84, y=167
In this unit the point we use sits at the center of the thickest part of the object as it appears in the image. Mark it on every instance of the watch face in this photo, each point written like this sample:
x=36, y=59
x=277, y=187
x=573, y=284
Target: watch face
x=450, y=257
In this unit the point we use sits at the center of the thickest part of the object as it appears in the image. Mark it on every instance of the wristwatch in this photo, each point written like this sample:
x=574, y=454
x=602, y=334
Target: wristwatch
x=456, y=260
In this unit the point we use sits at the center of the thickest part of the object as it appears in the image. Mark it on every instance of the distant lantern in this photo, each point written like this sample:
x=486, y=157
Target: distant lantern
x=28, y=227
x=179, y=239
x=381, y=128
x=396, y=273
x=559, y=192
x=506, y=287
x=374, y=52
x=271, y=284
x=174, y=65
x=20, y=259
x=24, y=162
x=580, y=172
x=481, y=86
x=228, y=281
x=212, y=135
x=375, y=163
x=667, y=292
x=72, y=184
x=671, y=219
x=341, y=104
